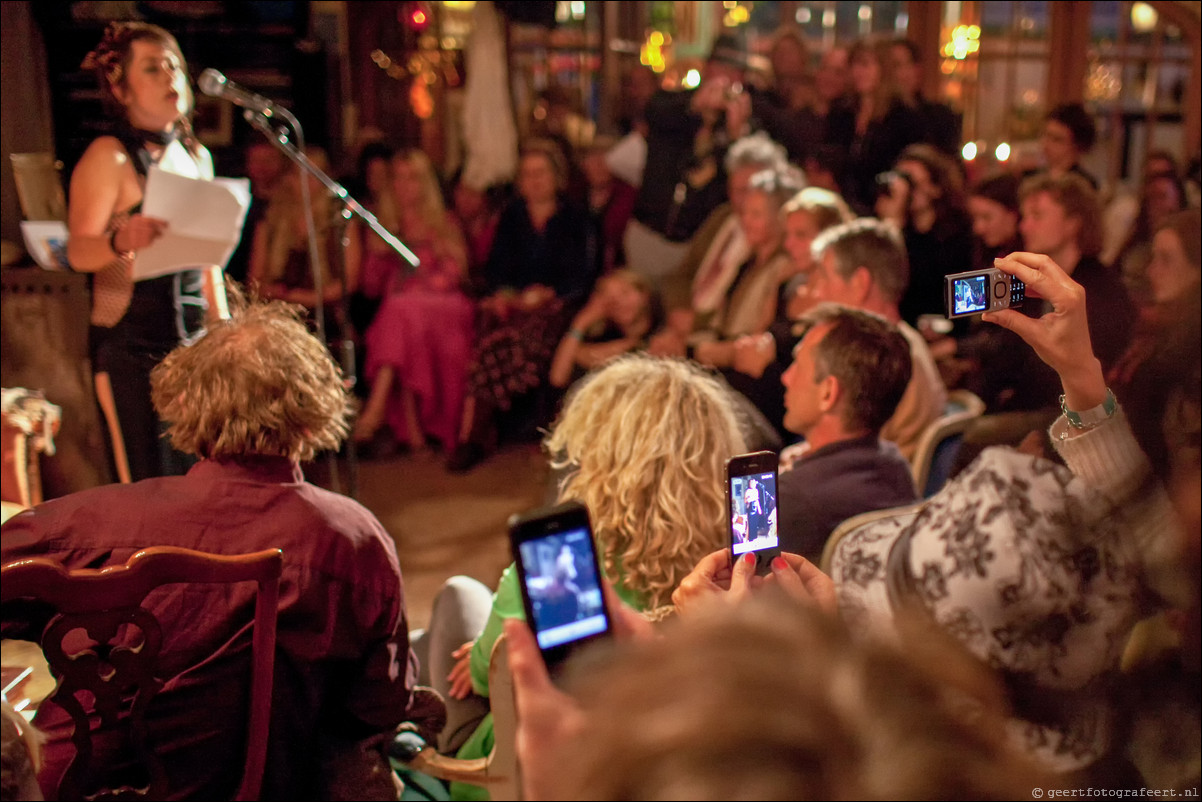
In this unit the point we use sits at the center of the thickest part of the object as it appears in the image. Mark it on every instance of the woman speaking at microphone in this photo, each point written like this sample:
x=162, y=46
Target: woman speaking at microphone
x=144, y=84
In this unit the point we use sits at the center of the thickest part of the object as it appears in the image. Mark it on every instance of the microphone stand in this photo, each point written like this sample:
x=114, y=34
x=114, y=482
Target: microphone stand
x=350, y=207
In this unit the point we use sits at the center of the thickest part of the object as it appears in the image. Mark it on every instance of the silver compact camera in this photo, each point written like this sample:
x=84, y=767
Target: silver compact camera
x=979, y=291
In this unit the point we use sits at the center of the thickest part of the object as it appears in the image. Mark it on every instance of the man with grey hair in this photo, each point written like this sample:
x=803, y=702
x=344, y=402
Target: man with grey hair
x=700, y=282
x=862, y=264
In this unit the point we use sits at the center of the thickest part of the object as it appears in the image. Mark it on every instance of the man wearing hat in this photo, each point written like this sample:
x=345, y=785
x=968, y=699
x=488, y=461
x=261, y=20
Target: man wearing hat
x=688, y=133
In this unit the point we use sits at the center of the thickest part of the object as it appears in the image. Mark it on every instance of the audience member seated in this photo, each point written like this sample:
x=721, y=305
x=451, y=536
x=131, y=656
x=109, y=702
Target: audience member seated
x=610, y=202
x=767, y=699
x=253, y=398
x=420, y=342
x=749, y=306
x=1120, y=211
x=940, y=125
x=926, y=201
x=1039, y=571
x=862, y=264
x=643, y=444
x=806, y=215
x=619, y=317
x=873, y=127
x=372, y=186
x=280, y=264
x=993, y=207
x=538, y=275
x=477, y=213
x=849, y=372
x=1161, y=195
x=990, y=361
x=1068, y=134
x=1061, y=218
x=264, y=165
x=757, y=366
x=694, y=290
x=1166, y=334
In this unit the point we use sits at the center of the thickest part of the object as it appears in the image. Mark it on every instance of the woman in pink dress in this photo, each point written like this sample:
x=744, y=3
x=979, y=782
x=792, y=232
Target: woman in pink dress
x=420, y=341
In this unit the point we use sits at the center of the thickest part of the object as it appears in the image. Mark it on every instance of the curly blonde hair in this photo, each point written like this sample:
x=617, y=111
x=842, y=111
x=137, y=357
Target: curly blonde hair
x=432, y=209
x=645, y=441
x=256, y=384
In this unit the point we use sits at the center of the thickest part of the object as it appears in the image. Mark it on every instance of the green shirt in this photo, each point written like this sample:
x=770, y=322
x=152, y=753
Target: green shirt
x=506, y=603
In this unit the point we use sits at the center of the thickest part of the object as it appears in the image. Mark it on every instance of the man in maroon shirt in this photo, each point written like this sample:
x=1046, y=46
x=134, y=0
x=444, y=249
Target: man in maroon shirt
x=253, y=398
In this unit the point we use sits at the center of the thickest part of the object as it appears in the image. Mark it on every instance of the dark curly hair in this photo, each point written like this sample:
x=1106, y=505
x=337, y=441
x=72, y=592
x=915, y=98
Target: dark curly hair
x=109, y=61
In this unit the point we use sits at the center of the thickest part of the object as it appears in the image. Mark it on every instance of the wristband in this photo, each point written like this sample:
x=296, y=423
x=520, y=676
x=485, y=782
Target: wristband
x=1090, y=418
x=113, y=246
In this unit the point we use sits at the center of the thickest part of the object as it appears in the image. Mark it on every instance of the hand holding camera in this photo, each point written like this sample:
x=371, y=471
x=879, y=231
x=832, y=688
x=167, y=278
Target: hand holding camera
x=1061, y=337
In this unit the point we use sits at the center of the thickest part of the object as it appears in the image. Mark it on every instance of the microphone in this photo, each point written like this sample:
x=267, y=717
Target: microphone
x=214, y=84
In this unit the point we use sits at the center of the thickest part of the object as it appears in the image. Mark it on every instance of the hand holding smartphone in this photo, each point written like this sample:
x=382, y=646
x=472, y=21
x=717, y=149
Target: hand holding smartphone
x=560, y=579
x=751, y=503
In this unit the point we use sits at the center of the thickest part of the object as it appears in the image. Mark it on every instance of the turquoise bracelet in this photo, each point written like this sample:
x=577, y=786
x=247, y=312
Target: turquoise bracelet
x=1091, y=417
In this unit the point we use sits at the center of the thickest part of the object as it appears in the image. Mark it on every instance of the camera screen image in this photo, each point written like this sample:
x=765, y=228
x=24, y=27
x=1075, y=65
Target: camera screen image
x=563, y=586
x=753, y=512
x=970, y=295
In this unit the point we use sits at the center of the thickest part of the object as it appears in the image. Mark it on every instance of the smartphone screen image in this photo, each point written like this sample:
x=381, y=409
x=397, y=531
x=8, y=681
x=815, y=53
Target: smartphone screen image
x=753, y=513
x=560, y=579
x=970, y=295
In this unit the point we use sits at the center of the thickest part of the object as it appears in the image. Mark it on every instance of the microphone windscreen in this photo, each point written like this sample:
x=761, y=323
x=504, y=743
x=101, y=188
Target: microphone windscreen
x=211, y=82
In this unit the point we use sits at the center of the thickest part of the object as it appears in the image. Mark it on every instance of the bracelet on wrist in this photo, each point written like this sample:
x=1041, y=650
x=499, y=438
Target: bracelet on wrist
x=576, y=334
x=1089, y=418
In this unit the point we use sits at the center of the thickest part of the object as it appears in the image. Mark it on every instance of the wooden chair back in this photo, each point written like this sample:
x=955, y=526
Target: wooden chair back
x=118, y=670
x=498, y=772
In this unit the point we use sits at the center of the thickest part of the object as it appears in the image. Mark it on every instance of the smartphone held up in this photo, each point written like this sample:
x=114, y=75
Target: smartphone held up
x=751, y=503
x=560, y=578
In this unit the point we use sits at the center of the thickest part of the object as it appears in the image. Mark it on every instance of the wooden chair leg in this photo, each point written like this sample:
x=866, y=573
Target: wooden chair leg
x=104, y=395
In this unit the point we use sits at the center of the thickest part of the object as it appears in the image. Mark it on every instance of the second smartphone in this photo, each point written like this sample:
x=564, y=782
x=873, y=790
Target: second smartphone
x=751, y=505
x=560, y=579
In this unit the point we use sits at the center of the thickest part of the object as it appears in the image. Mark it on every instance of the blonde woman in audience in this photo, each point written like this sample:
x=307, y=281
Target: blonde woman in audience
x=750, y=305
x=420, y=341
x=280, y=266
x=642, y=443
x=807, y=214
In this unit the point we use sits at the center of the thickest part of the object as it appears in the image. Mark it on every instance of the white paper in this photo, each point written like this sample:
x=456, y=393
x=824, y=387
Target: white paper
x=204, y=222
x=46, y=242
